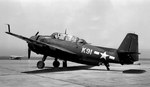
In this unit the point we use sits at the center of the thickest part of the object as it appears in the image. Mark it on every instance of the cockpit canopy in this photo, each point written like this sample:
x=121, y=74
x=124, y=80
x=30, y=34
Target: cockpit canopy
x=66, y=37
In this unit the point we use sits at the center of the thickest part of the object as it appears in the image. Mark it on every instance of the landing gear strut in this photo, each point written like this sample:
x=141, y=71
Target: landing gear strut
x=106, y=63
x=56, y=63
x=64, y=63
x=41, y=64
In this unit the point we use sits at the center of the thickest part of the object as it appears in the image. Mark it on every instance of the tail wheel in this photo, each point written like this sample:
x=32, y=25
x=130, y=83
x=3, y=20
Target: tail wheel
x=40, y=65
x=56, y=64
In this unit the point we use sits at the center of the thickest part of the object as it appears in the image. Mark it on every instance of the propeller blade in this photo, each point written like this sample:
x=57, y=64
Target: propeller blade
x=29, y=50
x=29, y=53
x=37, y=33
x=66, y=31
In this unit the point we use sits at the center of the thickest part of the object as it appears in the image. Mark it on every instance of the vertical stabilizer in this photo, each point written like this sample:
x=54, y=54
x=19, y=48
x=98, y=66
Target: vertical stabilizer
x=129, y=47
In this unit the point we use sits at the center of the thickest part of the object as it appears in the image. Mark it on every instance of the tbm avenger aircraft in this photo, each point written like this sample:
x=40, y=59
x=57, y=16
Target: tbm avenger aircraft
x=71, y=48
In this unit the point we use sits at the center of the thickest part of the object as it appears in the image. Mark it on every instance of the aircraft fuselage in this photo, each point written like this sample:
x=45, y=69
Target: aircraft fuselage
x=85, y=53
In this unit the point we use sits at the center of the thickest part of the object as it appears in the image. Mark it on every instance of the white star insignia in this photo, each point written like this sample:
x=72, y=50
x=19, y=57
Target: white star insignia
x=104, y=55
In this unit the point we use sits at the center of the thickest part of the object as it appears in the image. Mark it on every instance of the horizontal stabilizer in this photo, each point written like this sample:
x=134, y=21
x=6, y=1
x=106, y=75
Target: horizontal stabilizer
x=128, y=53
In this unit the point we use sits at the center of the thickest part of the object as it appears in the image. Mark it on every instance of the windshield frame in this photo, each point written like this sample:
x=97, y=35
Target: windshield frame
x=67, y=37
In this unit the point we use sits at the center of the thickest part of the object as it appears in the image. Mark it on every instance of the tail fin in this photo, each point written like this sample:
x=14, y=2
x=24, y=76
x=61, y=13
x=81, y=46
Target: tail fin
x=129, y=47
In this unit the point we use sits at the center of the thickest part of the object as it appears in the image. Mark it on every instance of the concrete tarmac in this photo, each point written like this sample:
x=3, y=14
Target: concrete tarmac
x=23, y=73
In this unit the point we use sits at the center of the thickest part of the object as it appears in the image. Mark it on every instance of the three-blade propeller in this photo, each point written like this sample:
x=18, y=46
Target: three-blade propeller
x=29, y=50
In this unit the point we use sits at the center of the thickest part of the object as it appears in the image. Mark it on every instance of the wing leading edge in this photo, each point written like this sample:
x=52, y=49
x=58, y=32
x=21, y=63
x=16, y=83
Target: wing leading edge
x=28, y=40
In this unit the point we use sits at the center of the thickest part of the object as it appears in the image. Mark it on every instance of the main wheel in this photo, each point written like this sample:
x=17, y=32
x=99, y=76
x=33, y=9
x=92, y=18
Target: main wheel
x=56, y=64
x=40, y=64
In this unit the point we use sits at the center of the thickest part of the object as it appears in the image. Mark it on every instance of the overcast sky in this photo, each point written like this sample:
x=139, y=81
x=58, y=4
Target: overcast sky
x=100, y=22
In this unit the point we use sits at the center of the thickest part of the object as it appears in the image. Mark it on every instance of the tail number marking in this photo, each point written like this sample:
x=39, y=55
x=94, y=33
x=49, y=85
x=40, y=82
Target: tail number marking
x=86, y=50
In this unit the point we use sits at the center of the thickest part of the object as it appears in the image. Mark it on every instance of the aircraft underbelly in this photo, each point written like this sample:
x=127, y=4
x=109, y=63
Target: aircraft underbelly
x=87, y=62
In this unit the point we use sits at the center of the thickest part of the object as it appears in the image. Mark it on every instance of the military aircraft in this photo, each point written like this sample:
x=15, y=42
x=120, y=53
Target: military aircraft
x=14, y=57
x=71, y=48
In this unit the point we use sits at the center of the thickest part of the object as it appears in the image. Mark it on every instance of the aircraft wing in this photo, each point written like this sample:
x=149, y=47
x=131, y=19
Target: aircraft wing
x=28, y=40
x=20, y=37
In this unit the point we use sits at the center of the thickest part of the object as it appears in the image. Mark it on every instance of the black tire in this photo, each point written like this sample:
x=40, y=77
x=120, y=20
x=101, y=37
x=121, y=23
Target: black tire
x=40, y=65
x=56, y=64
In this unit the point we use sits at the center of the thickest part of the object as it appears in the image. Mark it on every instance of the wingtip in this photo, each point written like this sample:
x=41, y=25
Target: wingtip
x=8, y=28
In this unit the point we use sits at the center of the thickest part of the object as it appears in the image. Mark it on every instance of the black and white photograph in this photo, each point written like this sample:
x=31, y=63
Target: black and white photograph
x=74, y=43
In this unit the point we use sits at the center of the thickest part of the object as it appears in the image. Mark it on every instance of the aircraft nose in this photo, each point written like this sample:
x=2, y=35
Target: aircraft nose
x=29, y=43
x=33, y=37
x=30, y=46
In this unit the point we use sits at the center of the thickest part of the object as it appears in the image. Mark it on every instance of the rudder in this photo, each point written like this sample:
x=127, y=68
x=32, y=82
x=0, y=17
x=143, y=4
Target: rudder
x=129, y=47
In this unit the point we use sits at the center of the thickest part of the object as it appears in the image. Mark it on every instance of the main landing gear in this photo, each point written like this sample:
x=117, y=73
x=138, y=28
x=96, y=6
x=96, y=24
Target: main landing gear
x=56, y=63
x=106, y=63
x=64, y=63
x=41, y=63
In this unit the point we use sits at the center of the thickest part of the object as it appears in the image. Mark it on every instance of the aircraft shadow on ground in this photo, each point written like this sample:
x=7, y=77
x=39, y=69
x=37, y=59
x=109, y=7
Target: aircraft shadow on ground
x=75, y=68
x=61, y=69
x=134, y=71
